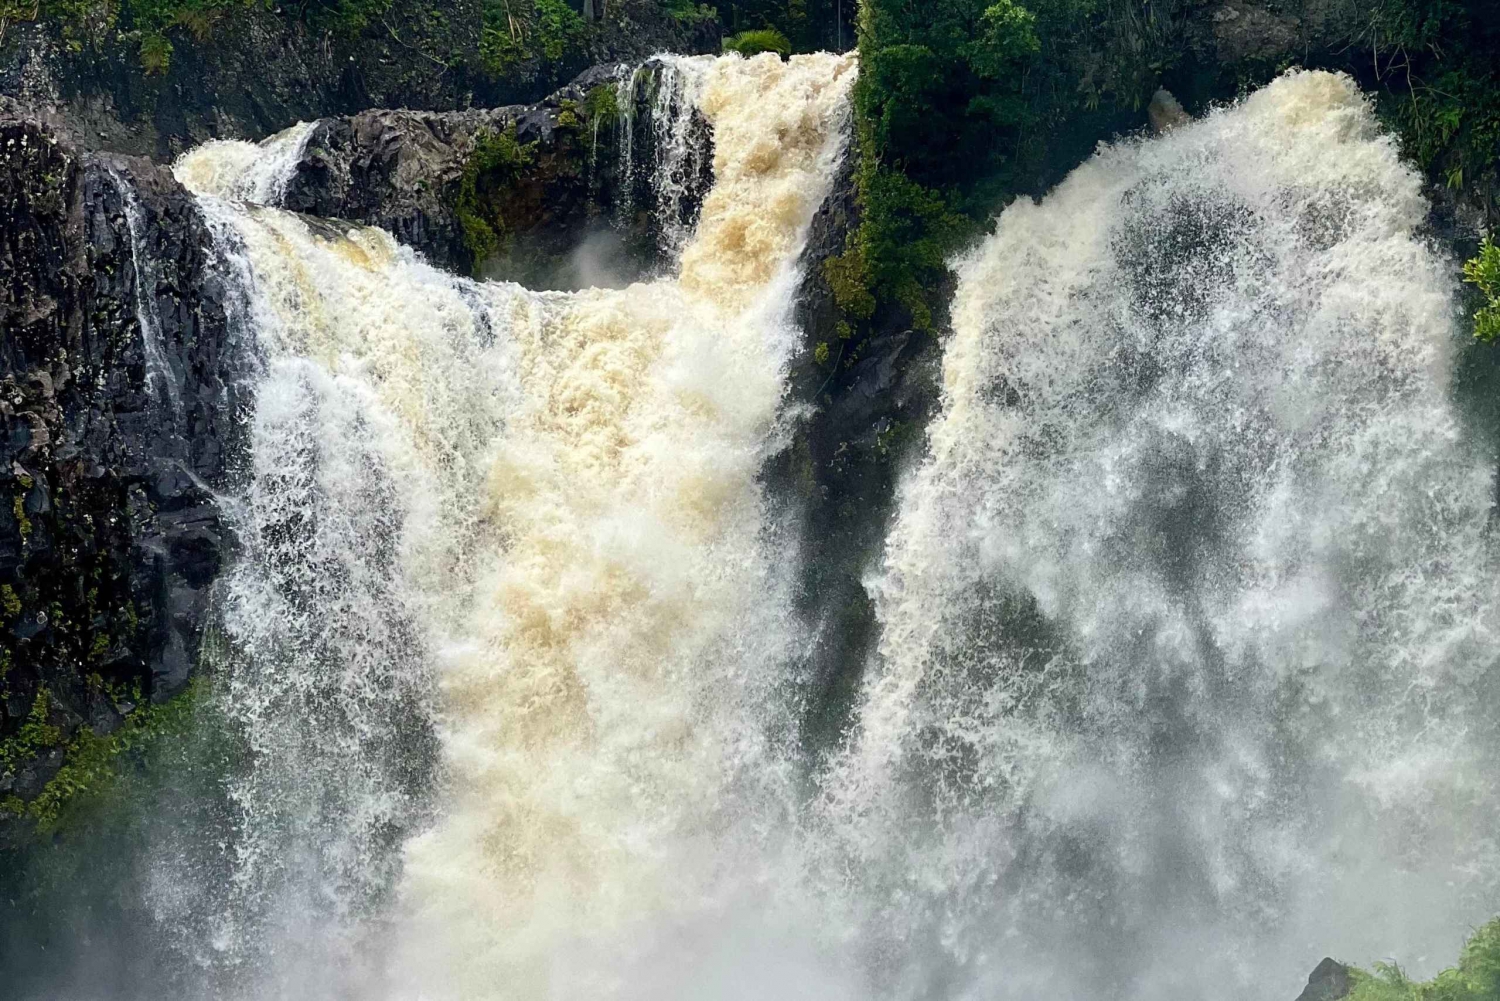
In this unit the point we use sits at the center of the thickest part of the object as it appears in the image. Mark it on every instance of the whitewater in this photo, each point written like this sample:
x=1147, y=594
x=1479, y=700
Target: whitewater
x=1188, y=639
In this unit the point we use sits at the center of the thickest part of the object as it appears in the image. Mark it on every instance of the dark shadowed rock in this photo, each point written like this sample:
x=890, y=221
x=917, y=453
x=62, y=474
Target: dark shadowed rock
x=1329, y=982
x=404, y=170
x=120, y=405
x=255, y=69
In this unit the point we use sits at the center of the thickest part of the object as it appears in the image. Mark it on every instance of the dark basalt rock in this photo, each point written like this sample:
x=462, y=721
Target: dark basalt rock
x=257, y=69
x=402, y=171
x=114, y=452
x=862, y=415
x=1329, y=982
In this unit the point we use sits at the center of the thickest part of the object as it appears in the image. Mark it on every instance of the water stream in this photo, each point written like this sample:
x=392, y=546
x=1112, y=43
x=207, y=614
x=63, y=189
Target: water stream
x=1189, y=635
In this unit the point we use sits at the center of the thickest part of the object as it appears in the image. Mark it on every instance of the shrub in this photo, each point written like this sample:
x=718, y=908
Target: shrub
x=1475, y=978
x=521, y=31
x=1484, y=272
x=753, y=43
x=496, y=162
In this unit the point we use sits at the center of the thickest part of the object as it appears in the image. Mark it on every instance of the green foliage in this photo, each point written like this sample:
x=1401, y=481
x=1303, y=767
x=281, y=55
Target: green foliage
x=92, y=763
x=809, y=25
x=948, y=95
x=1434, y=64
x=35, y=736
x=346, y=17
x=18, y=509
x=496, y=162
x=602, y=104
x=689, y=12
x=156, y=54
x=1475, y=978
x=1484, y=272
x=10, y=601
x=522, y=31
x=753, y=43
x=152, y=23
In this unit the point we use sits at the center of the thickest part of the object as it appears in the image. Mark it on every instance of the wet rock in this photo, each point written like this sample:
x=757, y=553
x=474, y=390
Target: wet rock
x=110, y=525
x=1164, y=112
x=403, y=171
x=261, y=68
x=1240, y=31
x=1329, y=982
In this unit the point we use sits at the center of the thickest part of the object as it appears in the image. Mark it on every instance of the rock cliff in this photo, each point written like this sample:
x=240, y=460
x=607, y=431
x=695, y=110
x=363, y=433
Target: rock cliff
x=119, y=404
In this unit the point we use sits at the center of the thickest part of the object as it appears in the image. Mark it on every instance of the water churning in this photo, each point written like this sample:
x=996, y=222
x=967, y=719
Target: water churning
x=1188, y=624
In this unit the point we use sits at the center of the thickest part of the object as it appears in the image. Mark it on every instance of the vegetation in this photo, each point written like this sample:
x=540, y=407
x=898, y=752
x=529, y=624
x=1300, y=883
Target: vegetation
x=91, y=763
x=965, y=104
x=35, y=736
x=497, y=161
x=1475, y=978
x=1434, y=63
x=950, y=103
x=1484, y=272
x=753, y=43
x=519, y=31
x=807, y=25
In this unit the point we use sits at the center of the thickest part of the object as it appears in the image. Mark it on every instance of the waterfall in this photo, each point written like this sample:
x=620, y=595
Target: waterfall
x=677, y=146
x=506, y=630
x=234, y=170
x=1189, y=644
x=147, y=312
x=1188, y=632
x=679, y=153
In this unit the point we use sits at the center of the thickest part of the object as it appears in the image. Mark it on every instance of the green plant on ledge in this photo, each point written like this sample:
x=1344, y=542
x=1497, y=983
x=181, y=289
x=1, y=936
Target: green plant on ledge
x=495, y=164
x=1475, y=978
x=1484, y=273
x=520, y=31
x=753, y=43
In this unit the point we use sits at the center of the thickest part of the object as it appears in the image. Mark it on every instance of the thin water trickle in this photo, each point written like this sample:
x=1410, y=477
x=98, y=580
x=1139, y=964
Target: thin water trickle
x=159, y=376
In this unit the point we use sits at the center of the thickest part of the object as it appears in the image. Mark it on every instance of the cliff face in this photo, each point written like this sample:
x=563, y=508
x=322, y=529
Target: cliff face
x=250, y=70
x=119, y=397
x=509, y=192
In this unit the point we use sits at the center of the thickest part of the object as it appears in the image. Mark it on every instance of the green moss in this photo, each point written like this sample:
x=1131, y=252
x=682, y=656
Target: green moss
x=602, y=105
x=496, y=163
x=753, y=43
x=35, y=735
x=156, y=53
x=1475, y=978
x=92, y=762
x=10, y=601
x=18, y=508
x=1484, y=273
x=895, y=437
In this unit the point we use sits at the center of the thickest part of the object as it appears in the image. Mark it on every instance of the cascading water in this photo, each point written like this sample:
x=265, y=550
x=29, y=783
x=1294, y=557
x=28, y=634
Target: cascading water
x=1188, y=622
x=545, y=504
x=148, y=313
x=678, y=150
x=1189, y=625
